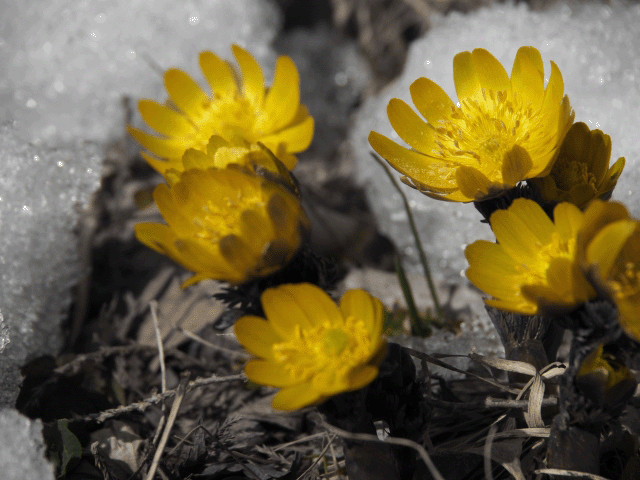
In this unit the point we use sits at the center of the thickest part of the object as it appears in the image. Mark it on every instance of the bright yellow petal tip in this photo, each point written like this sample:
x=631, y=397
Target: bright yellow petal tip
x=240, y=108
x=311, y=347
x=534, y=266
x=226, y=224
x=581, y=172
x=503, y=131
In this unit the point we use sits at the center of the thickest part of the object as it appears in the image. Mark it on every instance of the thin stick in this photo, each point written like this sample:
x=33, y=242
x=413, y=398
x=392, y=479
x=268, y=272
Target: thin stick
x=201, y=340
x=414, y=230
x=404, y=442
x=317, y=459
x=181, y=391
x=153, y=306
x=300, y=440
x=488, y=473
x=156, y=398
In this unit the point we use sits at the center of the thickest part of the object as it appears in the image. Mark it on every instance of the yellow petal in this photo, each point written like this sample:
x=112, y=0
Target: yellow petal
x=285, y=311
x=155, y=236
x=580, y=194
x=162, y=165
x=464, y=76
x=411, y=128
x=491, y=269
x=252, y=77
x=490, y=72
x=611, y=177
x=163, y=196
x=318, y=305
x=472, y=183
x=219, y=75
x=204, y=257
x=185, y=93
x=568, y=219
x=161, y=147
x=193, y=158
x=239, y=254
x=283, y=96
x=256, y=335
x=361, y=305
x=552, y=111
x=516, y=165
x=430, y=99
x=527, y=76
x=603, y=250
x=296, y=138
x=599, y=155
x=520, y=305
x=473, y=71
x=281, y=212
x=163, y=119
x=270, y=373
x=296, y=397
x=362, y=376
x=329, y=382
x=596, y=216
x=426, y=169
x=256, y=230
x=629, y=315
x=522, y=229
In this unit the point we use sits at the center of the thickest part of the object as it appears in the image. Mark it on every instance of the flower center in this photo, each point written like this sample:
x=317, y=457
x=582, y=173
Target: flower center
x=482, y=130
x=535, y=273
x=221, y=217
x=233, y=119
x=571, y=173
x=328, y=347
x=626, y=281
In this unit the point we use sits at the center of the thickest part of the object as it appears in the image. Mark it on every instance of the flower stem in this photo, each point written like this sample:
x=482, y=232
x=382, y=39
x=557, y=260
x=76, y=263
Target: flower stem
x=414, y=230
x=420, y=328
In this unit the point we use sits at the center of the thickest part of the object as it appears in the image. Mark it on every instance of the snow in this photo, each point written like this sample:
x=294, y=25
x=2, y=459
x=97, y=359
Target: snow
x=65, y=69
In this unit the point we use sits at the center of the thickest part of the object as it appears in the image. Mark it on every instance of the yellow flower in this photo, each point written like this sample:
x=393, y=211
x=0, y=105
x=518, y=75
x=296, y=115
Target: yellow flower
x=311, y=348
x=604, y=379
x=226, y=225
x=503, y=131
x=609, y=246
x=221, y=154
x=581, y=171
x=245, y=112
x=533, y=268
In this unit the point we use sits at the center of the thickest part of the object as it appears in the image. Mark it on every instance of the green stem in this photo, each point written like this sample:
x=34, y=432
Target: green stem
x=412, y=224
x=420, y=328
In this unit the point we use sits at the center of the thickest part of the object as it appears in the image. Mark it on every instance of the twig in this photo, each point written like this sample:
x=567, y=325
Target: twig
x=183, y=440
x=201, y=340
x=299, y=440
x=319, y=457
x=488, y=474
x=414, y=230
x=404, y=442
x=153, y=306
x=435, y=361
x=568, y=473
x=490, y=403
x=180, y=393
x=157, y=398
